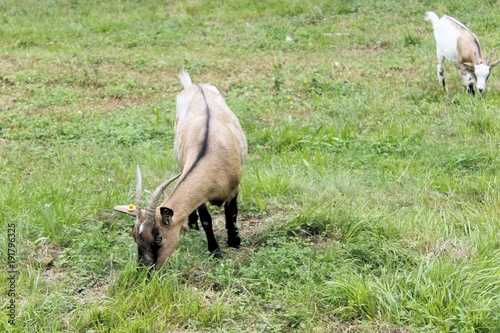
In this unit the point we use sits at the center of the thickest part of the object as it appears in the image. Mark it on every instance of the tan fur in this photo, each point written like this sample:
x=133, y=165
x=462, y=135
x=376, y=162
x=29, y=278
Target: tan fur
x=467, y=45
x=466, y=49
x=216, y=176
x=171, y=235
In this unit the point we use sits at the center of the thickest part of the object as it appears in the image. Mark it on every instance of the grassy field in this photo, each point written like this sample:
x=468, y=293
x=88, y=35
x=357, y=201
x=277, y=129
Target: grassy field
x=370, y=199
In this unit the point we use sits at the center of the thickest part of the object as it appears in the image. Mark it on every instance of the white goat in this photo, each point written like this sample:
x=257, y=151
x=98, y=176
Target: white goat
x=459, y=45
x=210, y=148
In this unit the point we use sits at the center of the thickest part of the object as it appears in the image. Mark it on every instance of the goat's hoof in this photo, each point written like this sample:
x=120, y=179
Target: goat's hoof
x=234, y=242
x=217, y=254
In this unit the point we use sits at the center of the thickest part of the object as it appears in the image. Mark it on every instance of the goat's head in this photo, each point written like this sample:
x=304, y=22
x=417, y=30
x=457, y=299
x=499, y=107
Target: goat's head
x=481, y=71
x=155, y=236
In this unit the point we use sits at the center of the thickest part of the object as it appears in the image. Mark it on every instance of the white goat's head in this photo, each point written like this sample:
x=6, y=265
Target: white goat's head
x=481, y=71
x=155, y=238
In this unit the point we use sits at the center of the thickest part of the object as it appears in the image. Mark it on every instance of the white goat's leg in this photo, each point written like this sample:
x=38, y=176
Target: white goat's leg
x=467, y=80
x=440, y=70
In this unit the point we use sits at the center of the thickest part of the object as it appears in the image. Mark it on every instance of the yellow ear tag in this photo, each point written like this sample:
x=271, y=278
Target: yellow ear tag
x=131, y=208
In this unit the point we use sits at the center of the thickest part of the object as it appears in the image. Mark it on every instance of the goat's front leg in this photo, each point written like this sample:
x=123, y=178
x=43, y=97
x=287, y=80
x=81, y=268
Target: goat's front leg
x=231, y=212
x=206, y=223
x=471, y=89
x=193, y=221
x=467, y=80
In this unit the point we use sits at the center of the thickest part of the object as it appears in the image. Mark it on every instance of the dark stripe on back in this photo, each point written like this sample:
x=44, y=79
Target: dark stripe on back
x=204, y=145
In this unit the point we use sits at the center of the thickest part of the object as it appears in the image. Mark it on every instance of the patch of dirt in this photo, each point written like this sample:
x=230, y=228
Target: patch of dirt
x=449, y=248
x=376, y=327
x=248, y=226
x=195, y=274
x=44, y=254
x=395, y=71
x=375, y=47
x=93, y=294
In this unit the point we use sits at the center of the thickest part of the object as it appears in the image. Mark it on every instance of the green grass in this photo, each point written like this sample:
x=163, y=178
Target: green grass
x=369, y=201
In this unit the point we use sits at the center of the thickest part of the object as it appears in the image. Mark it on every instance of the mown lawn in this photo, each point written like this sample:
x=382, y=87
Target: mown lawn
x=370, y=198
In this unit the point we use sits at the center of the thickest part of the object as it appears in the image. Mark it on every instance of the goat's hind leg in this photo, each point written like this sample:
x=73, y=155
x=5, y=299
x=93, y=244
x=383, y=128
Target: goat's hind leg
x=231, y=212
x=440, y=70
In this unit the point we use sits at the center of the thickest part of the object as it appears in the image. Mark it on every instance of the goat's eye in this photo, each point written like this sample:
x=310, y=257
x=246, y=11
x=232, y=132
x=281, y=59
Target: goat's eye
x=158, y=240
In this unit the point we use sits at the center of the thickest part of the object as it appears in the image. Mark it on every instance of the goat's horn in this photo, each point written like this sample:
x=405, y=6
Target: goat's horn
x=138, y=191
x=489, y=58
x=477, y=60
x=151, y=207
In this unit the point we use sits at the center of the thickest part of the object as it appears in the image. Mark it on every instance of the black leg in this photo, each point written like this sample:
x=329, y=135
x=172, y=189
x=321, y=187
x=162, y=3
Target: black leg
x=441, y=76
x=193, y=221
x=471, y=89
x=231, y=212
x=206, y=223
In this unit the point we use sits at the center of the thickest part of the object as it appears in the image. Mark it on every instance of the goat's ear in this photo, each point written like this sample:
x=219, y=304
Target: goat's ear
x=469, y=66
x=127, y=209
x=166, y=215
x=494, y=63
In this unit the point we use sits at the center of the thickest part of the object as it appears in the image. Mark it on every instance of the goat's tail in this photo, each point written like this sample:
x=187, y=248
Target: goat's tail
x=185, y=79
x=431, y=16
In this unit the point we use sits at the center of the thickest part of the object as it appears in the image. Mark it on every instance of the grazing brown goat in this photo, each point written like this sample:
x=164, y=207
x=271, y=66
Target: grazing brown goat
x=210, y=148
